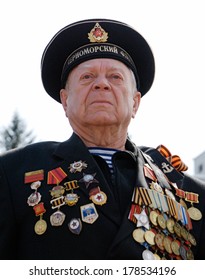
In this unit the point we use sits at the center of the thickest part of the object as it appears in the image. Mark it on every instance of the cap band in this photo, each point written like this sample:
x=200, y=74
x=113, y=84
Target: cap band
x=92, y=51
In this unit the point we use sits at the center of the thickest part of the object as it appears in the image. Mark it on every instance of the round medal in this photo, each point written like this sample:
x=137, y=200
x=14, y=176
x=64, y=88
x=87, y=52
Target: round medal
x=167, y=244
x=149, y=237
x=40, y=227
x=184, y=233
x=191, y=239
x=99, y=198
x=153, y=217
x=138, y=235
x=175, y=246
x=159, y=240
x=177, y=229
x=161, y=221
x=189, y=254
x=194, y=213
x=147, y=255
x=170, y=225
x=183, y=252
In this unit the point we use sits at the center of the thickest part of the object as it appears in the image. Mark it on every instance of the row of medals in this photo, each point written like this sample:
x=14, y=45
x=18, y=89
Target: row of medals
x=59, y=198
x=161, y=234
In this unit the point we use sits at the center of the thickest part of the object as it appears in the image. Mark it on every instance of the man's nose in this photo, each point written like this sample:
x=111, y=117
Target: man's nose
x=101, y=82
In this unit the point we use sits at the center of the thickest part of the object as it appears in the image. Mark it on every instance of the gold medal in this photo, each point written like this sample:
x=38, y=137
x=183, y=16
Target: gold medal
x=167, y=244
x=153, y=217
x=194, y=213
x=138, y=235
x=189, y=254
x=99, y=198
x=170, y=225
x=175, y=246
x=161, y=221
x=40, y=226
x=184, y=233
x=191, y=239
x=177, y=229
x=159, y=240
x=157, y=257
x=149, y=237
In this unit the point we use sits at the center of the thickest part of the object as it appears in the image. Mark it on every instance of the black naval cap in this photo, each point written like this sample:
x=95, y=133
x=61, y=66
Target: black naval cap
x=95, y=38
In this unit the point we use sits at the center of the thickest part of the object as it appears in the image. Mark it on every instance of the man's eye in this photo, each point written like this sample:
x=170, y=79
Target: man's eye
x=86, y=76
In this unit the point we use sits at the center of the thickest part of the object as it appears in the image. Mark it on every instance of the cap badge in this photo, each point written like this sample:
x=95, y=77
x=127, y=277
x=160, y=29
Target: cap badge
x=97, y=34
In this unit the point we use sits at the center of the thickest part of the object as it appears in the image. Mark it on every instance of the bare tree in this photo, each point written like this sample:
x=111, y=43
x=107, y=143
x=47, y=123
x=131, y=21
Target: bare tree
x=15, y=135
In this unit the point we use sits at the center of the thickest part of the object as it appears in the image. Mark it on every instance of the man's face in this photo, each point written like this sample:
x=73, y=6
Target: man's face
x=100, y=92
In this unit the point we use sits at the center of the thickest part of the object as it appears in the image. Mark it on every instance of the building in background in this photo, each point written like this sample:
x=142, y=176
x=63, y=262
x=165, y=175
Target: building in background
x=199, y=166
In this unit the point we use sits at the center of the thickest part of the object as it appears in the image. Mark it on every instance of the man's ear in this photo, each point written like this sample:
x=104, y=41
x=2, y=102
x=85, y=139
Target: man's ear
x=136, y=103
x=64, y=99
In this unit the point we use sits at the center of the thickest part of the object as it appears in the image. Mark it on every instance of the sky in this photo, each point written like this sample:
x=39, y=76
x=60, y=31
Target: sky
x=172, y=113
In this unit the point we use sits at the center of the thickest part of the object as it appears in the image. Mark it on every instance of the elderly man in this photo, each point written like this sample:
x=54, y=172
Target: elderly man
x=97, y=195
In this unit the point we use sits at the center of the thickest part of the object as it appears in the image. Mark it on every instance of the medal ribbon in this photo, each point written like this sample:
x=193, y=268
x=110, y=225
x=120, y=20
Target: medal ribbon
x=145, y=196
x=192, y=197
x=175, y=160
x=34, y=176
x=180, y=193
x=55, y=176
x=137, y=198
x=71, y=185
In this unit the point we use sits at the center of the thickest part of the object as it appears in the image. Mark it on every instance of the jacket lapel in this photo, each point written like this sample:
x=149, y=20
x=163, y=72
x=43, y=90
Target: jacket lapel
x=74, y=150
x=127, y=227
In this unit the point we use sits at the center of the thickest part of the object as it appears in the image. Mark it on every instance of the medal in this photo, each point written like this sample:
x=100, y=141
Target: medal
x=75, y=226
x=194, y=213
x=161, y=221
x=138, y=235
x=149, y=237
x=155, y=186
x=153, y=217
x=167, y=244
x=40, y=226
x=175, y=246
x=77, y=166
x=177, y=229
x=148, y=255
x=184, y=233
x=57, y=218
x=34, y=199
x=170, y=225
x=57, y=191
x=142, y=219
x=88, y=179
x=88, y=213
x=159, y=240
x=189, y=254
x=183, y=252
x=191, y=239
x=97, y=196
x=71, y=199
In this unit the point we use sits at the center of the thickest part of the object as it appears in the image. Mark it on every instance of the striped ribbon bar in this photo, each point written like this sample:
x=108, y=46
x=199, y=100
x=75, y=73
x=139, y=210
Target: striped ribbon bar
x=33, y=176
x=175, y=160
x=192, y=197
x=55, y=176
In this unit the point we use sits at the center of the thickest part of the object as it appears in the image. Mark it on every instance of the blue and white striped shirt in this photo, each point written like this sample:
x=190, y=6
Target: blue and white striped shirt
x=105, y=153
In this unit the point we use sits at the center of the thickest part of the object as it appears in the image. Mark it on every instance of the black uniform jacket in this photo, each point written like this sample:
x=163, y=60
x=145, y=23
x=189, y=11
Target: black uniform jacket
x=110, y=236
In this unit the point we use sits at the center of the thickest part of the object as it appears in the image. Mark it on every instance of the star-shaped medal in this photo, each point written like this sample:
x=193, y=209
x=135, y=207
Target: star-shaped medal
x=142, y=219
x=77, y=166
x=88, y=179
